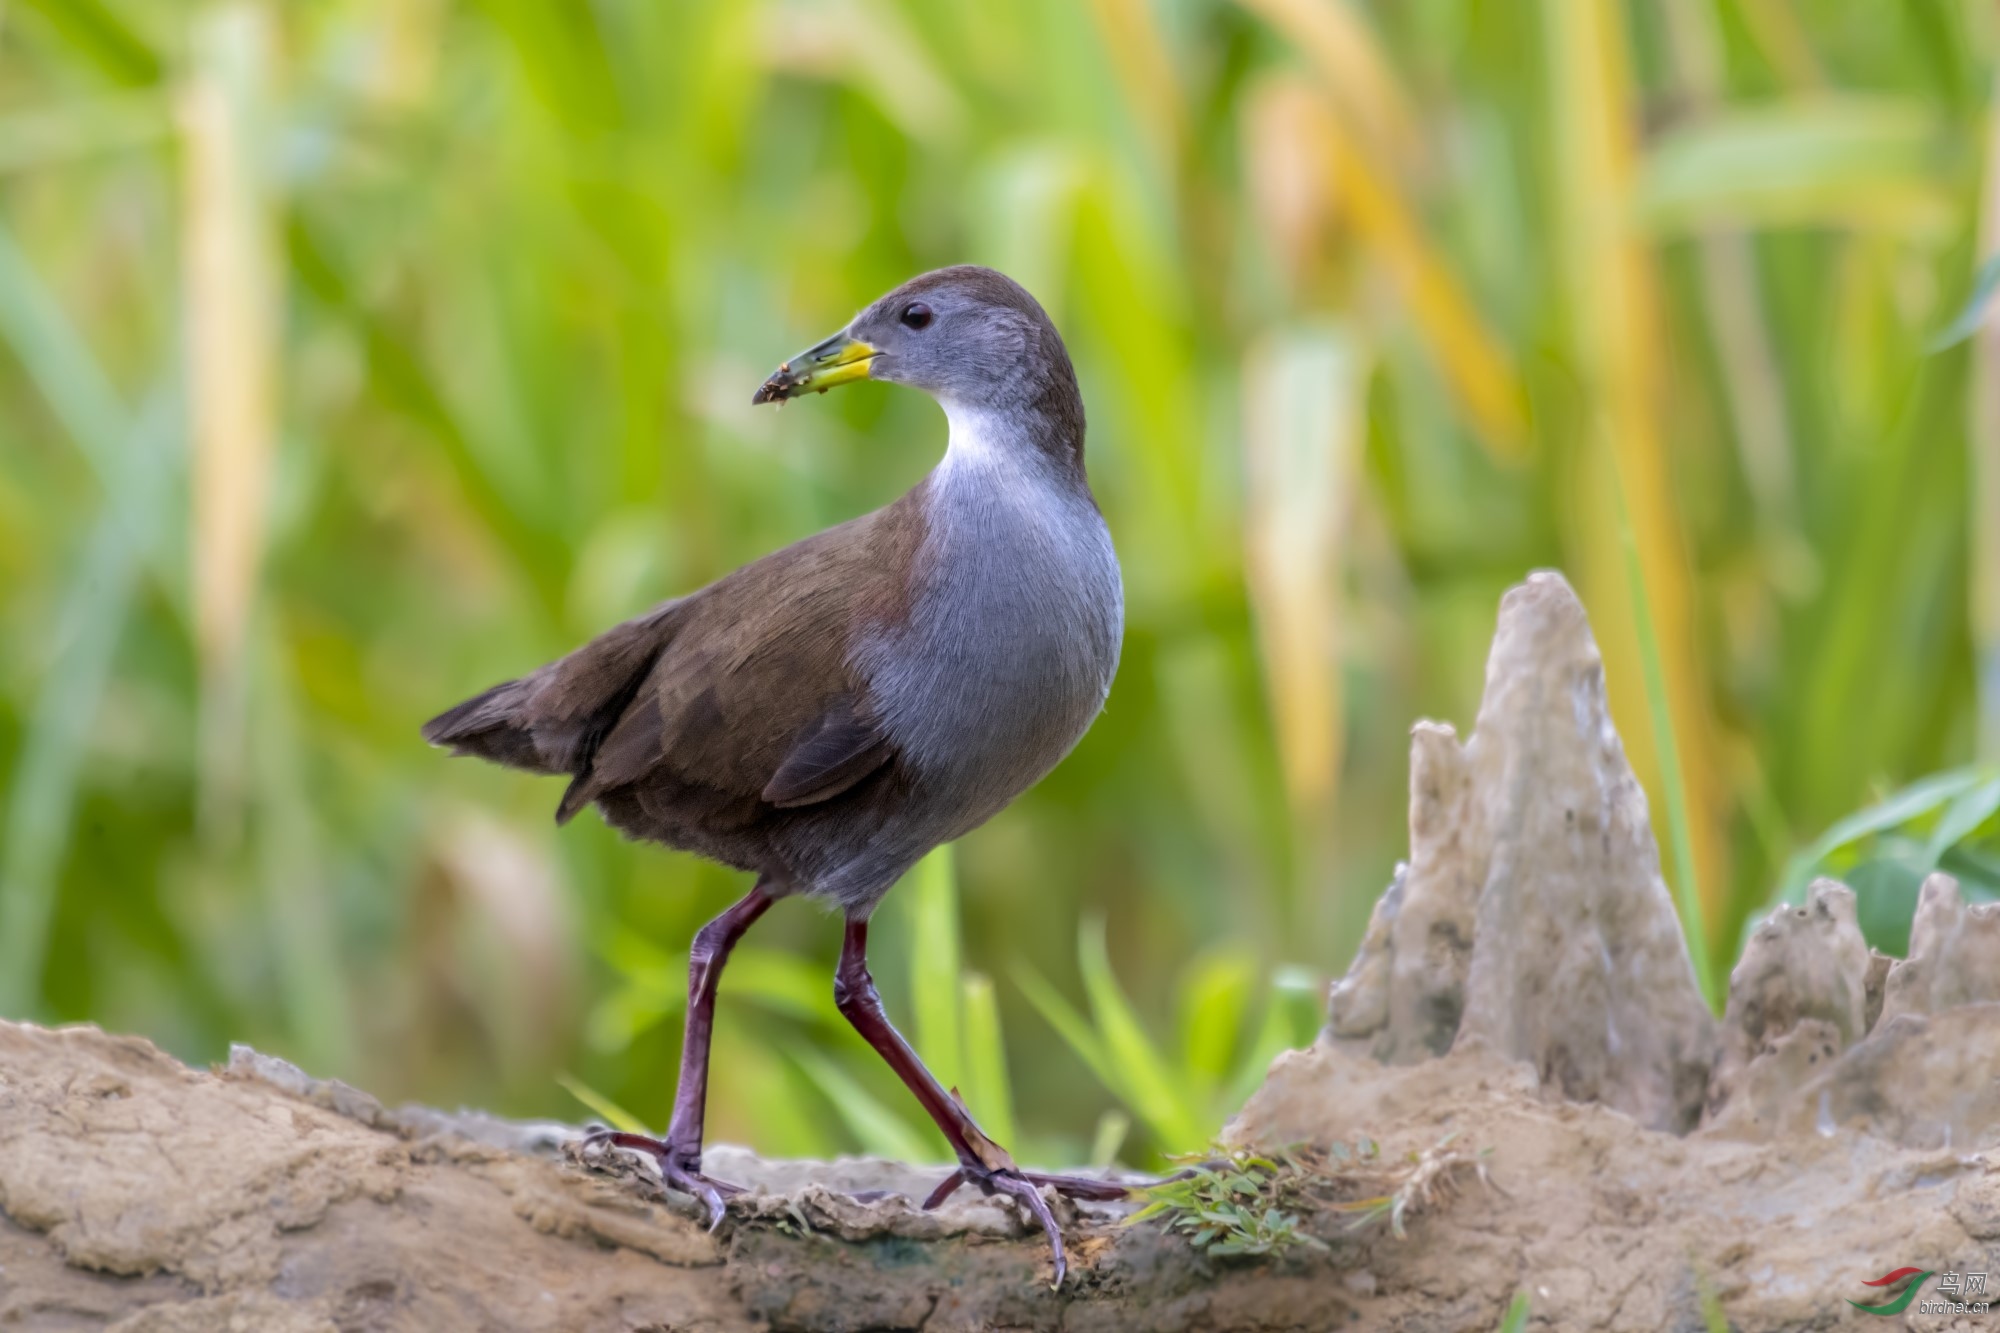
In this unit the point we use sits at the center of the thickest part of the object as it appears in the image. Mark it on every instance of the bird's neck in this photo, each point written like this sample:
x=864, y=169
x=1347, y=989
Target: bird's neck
x=1030, y=439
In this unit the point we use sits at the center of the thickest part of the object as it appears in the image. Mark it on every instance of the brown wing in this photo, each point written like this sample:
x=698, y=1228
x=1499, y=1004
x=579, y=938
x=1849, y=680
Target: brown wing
x=836, y=751
x=748, y=703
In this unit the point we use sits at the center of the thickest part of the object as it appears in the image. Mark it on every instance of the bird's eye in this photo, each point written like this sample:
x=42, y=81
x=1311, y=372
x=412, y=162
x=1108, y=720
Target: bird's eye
x=916, y=315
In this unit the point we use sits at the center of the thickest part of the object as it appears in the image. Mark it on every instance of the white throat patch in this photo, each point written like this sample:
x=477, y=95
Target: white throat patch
x=978, y=438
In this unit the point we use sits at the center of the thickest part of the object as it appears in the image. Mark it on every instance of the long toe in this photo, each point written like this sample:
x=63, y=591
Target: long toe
x=1080, y=1187
x=1017, y=1186
x=676, y=1172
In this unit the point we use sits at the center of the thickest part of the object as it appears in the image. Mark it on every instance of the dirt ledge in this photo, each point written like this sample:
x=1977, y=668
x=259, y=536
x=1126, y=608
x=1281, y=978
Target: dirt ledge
x=144, y=1197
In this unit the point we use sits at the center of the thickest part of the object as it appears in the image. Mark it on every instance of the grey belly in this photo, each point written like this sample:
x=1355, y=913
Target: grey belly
x=854, y=862
x=979, y=708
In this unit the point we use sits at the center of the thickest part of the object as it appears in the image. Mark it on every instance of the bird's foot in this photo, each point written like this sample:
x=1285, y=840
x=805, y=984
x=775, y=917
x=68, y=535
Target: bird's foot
x=679, y=1169
x=1025, y=1187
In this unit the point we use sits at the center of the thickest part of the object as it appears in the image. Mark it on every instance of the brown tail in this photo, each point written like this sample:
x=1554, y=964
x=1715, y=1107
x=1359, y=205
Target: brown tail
x=495, y=726
x=553, y=719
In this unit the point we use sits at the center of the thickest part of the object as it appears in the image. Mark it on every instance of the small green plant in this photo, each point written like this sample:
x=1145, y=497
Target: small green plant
x=1516, y=1317
x=1236, y=1204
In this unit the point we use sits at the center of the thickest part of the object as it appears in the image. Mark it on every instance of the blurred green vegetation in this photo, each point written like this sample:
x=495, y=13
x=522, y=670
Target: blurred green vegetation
x=360, y=354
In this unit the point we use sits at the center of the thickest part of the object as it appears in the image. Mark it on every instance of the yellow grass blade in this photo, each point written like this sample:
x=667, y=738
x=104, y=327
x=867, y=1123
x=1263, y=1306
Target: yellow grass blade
x=1289, y=171
x=1353, y=70
x=1617, y=346
x=412, y=39
x=1478, y=368
x=1145, y=67
x=1347, y=124
x=233, y=327
x=1774, y=25
x=1304, y=419
x=1984, y=440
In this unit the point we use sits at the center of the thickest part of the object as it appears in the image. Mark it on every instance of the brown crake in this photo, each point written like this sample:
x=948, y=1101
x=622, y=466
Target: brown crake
x=826, y=715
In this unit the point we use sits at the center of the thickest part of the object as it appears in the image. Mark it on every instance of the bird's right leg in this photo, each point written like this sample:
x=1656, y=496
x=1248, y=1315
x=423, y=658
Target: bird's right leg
x=679, y=1153
x=981, y=1161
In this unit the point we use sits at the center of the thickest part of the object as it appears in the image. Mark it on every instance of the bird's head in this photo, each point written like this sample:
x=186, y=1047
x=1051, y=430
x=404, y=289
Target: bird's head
x=967, y=336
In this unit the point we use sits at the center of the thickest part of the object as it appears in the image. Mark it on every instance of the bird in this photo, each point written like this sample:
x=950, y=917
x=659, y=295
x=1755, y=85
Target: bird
x=828, y=714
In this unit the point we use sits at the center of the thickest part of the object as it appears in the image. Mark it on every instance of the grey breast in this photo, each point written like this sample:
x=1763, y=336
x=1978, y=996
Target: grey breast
x=1011, y=642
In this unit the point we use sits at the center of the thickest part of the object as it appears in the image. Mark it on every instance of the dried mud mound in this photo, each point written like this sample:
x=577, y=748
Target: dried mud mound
x=1609, y=1225
x=1524, y=985
x=1522, y=993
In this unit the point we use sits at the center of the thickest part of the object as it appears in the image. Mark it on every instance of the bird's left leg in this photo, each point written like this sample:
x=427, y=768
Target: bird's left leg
x=679, y=1153
x=981, y=1161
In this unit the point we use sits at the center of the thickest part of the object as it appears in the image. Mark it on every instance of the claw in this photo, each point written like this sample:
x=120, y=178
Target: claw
x=1020, y=1187
x=676, y=1170
x=1026, y=1186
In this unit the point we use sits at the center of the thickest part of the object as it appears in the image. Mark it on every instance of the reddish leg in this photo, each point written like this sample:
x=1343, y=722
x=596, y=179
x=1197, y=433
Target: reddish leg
x=981, y=1161
x=679, y=1153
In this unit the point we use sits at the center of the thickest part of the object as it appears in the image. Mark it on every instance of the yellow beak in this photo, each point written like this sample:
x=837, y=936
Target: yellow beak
x=838, y=360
